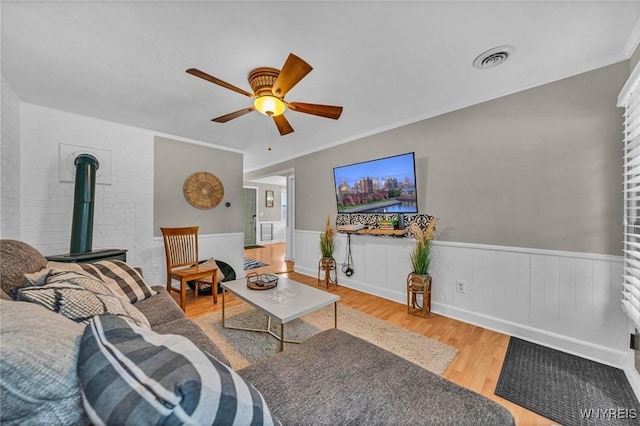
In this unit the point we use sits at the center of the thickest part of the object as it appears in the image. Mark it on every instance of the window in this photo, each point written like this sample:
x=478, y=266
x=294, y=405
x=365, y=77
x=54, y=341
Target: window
x=630, y=99
x=283, y=205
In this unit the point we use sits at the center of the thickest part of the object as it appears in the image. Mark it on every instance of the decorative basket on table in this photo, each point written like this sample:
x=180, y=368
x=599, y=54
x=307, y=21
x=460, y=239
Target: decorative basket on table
x=257, y=281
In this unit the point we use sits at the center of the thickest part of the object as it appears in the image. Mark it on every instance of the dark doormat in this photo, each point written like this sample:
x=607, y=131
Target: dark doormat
x=253, y=246
x=566, y=388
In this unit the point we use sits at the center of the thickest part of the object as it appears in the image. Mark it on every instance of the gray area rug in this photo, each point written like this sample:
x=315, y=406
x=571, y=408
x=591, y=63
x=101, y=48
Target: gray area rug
x=243, y=348
x=566, y=388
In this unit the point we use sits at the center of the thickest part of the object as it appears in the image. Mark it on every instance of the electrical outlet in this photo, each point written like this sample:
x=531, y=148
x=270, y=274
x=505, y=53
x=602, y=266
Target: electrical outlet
x=461, y=286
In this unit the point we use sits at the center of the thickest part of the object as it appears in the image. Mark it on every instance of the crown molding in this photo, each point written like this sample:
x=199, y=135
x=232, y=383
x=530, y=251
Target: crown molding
x=629, y=86
x=633, y=41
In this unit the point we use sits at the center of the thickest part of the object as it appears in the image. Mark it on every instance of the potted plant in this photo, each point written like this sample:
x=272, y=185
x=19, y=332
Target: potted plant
x=421, y=253
x=327, y=264
x=419, y=280
x=326, y=239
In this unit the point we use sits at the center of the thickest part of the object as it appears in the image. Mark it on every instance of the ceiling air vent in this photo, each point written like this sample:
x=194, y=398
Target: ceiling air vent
x=493, y=57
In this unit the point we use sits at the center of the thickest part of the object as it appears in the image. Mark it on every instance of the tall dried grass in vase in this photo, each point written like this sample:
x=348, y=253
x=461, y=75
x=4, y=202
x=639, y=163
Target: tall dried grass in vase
x=326, y=239
x=421, y=254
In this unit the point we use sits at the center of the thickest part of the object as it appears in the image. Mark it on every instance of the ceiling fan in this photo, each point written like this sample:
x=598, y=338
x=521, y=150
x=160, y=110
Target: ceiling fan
x=270, y=86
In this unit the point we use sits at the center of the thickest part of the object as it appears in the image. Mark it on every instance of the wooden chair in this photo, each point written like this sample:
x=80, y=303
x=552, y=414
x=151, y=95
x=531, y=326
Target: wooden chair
x=181, y=250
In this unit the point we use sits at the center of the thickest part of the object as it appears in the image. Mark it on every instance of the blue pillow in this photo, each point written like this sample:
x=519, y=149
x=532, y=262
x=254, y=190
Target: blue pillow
x=132, y=375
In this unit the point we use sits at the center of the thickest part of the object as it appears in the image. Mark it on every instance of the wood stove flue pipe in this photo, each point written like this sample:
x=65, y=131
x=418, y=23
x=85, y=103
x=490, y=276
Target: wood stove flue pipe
x=83, y=200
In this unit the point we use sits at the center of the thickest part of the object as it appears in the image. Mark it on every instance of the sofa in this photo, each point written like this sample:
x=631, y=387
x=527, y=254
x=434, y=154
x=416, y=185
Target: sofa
x=333, y=378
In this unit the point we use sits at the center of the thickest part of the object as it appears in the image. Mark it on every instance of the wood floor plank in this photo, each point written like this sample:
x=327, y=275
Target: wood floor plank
x=477, y=366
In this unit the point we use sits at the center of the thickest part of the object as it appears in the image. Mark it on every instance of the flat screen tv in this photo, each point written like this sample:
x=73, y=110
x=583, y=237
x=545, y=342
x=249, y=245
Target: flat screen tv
x=385, y=185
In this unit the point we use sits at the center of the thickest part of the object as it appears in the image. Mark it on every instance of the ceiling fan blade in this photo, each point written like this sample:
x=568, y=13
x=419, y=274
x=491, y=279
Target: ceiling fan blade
x=283, y=125
x=328, y=111
x=293, y=70
x=231, y=116
x=203, y=75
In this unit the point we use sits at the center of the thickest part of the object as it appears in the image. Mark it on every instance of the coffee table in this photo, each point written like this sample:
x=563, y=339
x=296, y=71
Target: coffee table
x=287, y=301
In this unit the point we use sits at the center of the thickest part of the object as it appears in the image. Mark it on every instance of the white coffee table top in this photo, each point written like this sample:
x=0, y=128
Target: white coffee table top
x=287, y=301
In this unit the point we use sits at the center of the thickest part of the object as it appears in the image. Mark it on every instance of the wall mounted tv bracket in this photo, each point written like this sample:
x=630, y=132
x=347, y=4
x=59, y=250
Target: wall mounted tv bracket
x=347, y=265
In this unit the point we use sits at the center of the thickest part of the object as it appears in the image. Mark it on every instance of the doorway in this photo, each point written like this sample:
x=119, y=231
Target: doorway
x=249, y=195
x=278, y=217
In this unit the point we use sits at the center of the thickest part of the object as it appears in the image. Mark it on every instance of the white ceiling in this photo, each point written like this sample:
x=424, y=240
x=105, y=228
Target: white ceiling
x=389, y=63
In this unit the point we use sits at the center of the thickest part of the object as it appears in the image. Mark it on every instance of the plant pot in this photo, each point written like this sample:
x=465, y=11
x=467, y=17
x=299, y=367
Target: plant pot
x=419, y=287
x=329, y=266
x=290, y=264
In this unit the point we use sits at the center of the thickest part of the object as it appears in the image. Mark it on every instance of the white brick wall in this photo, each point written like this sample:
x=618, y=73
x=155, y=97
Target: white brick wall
x=123, y=212
x=10, y=166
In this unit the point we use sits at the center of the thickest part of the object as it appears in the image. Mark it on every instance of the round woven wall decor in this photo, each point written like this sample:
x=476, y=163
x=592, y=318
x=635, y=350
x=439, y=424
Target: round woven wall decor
x=203, y=190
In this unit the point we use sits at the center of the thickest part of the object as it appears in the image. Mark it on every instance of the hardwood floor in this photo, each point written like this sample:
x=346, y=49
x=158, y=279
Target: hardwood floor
x=477, y=366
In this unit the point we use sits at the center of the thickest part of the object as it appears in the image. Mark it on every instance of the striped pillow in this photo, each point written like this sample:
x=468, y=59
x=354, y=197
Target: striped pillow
x=129, y=375
x=121, y=278
x=80, y=297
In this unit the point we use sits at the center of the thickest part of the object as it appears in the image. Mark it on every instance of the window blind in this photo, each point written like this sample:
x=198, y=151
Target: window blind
x=629, y=99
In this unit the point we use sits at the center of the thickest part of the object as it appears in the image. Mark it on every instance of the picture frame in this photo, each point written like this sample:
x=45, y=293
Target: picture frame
x=269, y=198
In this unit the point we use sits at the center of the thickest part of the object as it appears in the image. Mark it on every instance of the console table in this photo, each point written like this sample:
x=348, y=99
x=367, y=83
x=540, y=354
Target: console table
x=372, y=223
x=378, y=231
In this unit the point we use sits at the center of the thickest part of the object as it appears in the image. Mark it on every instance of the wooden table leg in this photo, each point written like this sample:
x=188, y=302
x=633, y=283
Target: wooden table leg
x=183, y=294
x=335, y=315
x=214, y=286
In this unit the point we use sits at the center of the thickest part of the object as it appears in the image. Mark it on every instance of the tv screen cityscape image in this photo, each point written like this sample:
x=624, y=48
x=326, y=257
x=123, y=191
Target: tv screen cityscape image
x=385, y=185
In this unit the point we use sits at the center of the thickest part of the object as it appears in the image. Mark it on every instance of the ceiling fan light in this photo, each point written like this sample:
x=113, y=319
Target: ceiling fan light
x=269, y=105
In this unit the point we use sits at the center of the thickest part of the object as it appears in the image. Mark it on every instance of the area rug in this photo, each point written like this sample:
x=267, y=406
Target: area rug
x=566, y=388
x=252, y=264
x=243, y=348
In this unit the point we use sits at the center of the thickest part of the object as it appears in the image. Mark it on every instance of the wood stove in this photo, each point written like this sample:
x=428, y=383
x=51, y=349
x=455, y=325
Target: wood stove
x=82, y=224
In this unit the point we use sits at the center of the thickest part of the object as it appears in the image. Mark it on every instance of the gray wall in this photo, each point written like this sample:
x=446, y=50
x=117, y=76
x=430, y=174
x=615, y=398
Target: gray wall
x=540, y=168
x=174, y=161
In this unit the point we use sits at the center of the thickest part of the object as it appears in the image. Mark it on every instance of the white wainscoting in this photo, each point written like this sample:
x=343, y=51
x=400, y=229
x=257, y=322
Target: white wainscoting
x=278, y=232
x=569, y=301
x=225, y=247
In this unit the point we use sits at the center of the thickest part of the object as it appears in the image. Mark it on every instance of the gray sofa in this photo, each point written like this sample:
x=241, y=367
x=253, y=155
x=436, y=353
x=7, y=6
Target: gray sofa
x=332, y=378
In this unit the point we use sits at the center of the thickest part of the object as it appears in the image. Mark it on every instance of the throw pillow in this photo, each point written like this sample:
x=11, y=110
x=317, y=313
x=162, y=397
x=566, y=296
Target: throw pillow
x=211, y=263
x=118, y=275
x=135, y=376
x=205, y=283
x=38, y=358
x=48, y=275
x=36, y=278
x=5, y=296
x=18, y=258
x=80, y=297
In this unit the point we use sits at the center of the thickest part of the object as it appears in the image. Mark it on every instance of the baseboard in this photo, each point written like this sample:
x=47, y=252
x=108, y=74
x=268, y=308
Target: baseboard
x=358, y=285
x=566, y=344
x=634, y=380
x=266, y=243
x=580, y=348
